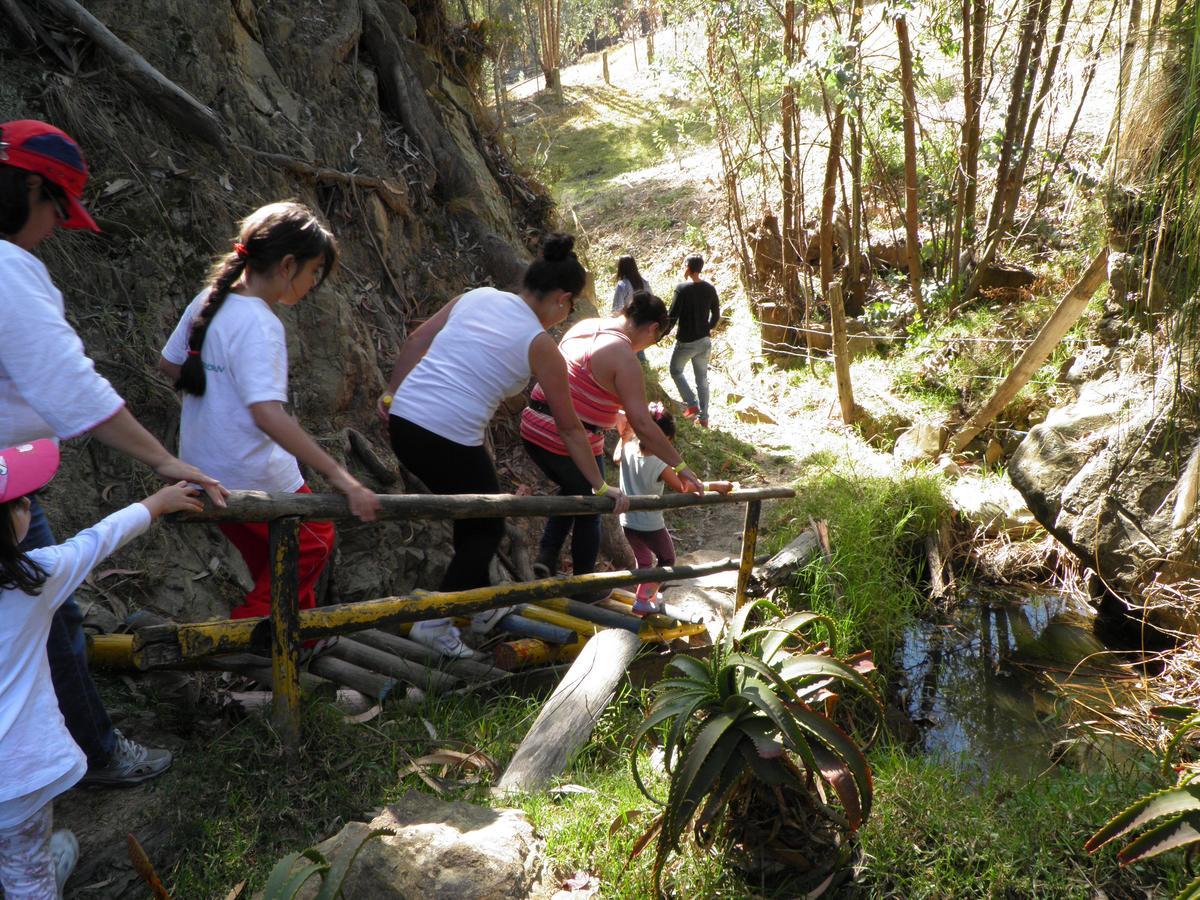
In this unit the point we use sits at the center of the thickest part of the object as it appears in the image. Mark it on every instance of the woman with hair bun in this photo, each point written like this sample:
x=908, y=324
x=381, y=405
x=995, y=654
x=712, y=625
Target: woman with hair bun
x=603, y=376
x=451, y=375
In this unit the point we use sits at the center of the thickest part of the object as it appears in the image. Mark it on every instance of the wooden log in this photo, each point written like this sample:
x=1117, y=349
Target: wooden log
x=591, y=613
x=780, y=568
x=567, y=720
x=542, y=631
x=581, y=627
x=284, y=553
x=258, y=506
x=111, y=651
x=376, y=660
x=1069, y=309
x=400, y=646
x=349, y=675
x=259, y=668
x=174, y=102
x=525, y=653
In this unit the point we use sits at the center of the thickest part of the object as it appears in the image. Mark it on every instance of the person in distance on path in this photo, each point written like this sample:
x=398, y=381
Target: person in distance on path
x=696, y=311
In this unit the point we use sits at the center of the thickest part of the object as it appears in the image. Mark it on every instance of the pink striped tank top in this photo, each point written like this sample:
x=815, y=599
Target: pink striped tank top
x=596, y=407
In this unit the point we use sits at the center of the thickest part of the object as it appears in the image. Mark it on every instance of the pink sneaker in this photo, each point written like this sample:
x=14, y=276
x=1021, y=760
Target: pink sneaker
x=647, y=606
x=691, y=412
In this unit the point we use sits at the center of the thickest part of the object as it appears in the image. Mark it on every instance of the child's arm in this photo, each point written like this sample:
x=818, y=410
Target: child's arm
x=69, y=563
x=273, y=419
x=675, y=483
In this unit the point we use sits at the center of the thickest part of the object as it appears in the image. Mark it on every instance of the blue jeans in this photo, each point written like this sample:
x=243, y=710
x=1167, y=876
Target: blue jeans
x=78, y=699
x=697, y=352
x=584, y=530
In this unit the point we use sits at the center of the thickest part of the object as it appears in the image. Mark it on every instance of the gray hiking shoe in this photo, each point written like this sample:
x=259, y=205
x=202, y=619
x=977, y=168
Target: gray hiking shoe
x=64, y=848
x=130, y=764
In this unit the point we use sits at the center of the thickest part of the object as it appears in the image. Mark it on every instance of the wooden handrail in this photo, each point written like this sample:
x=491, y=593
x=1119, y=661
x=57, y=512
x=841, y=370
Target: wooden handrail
x=258, y=506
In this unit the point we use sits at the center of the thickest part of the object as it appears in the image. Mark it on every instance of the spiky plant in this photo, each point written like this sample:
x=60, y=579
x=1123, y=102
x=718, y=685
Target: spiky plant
x=1176, y=809
x=295, y=870
x=750, y=748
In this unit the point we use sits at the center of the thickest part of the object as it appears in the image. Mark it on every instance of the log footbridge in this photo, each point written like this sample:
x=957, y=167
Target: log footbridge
x=288, y=627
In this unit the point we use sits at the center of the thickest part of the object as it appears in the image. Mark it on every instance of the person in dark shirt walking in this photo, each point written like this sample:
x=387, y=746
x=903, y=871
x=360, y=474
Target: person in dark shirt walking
x=696, y=310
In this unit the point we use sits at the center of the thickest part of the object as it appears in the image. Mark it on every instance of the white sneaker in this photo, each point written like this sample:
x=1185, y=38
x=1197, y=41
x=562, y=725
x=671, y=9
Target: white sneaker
x=484, y=621
x=440, y=635
x=65, y=849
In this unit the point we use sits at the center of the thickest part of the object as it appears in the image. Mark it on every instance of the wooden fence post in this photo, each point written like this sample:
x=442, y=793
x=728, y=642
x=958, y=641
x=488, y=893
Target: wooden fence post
x=284, y=550
x=749, y=540
x=841, y=353
x=604, y=62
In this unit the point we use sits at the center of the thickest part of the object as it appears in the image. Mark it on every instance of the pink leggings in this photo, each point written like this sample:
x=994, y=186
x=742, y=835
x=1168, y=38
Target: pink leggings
x=648, y=545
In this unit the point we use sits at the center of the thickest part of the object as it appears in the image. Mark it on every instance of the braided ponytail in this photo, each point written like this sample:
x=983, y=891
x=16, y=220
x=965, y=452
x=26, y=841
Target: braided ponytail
x=225, y=275
x=267, y=236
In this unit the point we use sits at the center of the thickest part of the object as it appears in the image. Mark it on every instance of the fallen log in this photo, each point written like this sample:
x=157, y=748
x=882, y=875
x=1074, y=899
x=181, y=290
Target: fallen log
x=349, y=675
x=348, y=650
x=514, y=623
x=594, y=614
x=525, y=653
x=570, y=715
x=173, y=101
x=1067, y=313
x=779, y=569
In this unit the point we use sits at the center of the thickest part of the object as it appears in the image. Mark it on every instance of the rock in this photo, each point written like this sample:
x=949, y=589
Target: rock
x=1102, y=474
x=920, y=443
x=890, y=251
x=948, y=467
x=993, y=453
x=1004, y=275
x=748, y=411
x=992, y=505
x=1088, y=364
x=442, y=850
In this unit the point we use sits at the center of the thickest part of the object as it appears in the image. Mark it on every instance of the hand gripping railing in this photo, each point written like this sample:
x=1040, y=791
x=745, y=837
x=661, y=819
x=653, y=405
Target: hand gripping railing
x=288, y=626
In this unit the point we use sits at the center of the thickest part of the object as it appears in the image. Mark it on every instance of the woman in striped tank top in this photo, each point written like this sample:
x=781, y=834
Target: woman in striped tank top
x=604, y=376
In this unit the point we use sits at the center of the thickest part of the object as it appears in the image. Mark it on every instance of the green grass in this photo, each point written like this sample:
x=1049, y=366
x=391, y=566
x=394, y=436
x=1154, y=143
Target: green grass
x=877, y=526
x=942, y=832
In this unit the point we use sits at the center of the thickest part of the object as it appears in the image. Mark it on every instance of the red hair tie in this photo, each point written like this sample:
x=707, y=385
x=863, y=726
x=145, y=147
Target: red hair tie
x=240, y=249
x=193, y=353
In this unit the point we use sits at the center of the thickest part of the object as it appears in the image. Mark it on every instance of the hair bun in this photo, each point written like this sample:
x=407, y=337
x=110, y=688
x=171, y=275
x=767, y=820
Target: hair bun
x=557, y=247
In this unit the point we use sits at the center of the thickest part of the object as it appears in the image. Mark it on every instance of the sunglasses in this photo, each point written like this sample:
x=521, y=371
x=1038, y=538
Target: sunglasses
x=58, y=197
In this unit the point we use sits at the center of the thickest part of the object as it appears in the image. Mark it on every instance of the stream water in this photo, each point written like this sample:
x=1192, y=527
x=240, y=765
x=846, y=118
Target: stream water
x=975, y=685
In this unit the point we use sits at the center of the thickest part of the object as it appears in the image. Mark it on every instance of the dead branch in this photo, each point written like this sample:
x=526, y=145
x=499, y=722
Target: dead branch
x=394, y=196
x=174, y=102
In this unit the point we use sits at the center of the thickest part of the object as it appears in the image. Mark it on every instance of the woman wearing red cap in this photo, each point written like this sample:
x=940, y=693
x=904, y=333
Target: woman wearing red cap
x=49, y=388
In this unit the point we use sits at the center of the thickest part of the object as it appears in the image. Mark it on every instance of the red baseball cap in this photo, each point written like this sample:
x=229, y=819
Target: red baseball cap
x=25, y=468
x=44, y=149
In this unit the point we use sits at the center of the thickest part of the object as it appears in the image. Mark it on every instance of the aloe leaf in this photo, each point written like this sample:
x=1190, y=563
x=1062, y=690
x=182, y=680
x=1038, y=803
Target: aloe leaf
x=1181, y=731
x=331, y=881
x=762, y=734
x=843, y=746
x=778, y=632
x=768, y=771
x=841, y=779
x=691, y=667
x=681, y=712
x=816, y=666
x=695, y=758
x=733, y=772
x=1190, y=891
x=1169, y=802
x=1177, y=832
x=279, y=875
x=291, y=882
x=737, y=627
x=722, y=766
x=761, y=695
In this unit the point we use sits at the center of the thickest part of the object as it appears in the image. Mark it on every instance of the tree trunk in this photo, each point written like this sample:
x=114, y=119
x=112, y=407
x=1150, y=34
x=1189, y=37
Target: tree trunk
x=829, y=196
x=604, y=62
x=841, y=356
x=911, y=207
x=787, y=117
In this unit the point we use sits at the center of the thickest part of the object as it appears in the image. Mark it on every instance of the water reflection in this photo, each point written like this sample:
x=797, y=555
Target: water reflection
x=972, y=682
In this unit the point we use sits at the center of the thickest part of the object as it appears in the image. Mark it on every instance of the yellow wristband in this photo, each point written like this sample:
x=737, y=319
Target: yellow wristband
x=386, y=399
x=600, y=491
x=679, y=468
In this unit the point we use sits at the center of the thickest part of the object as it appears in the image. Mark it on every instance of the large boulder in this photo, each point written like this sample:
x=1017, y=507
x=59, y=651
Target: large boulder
x=1102, y=474
x=442, y=850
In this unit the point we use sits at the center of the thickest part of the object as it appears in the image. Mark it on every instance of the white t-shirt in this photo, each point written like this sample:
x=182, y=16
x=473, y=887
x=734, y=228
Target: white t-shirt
x=245, y=361
x=48, y=386
x=480, y=356
x=641, y=475
x=36, y=750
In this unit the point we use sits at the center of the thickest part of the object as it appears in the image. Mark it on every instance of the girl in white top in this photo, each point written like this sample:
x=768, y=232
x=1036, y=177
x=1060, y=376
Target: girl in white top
x=643, y=474
x=228, y=355
x=38, y=758
x=451, y=375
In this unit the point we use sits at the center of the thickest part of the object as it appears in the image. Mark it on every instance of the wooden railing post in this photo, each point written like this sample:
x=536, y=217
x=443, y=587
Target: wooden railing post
x=749, y=540
x=285, y=628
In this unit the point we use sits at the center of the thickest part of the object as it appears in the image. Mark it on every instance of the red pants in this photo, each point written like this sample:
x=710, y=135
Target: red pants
x=251, y=539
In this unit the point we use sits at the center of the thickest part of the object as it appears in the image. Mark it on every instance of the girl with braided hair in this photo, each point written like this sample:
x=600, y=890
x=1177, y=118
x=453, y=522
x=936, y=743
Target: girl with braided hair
x=228, y=355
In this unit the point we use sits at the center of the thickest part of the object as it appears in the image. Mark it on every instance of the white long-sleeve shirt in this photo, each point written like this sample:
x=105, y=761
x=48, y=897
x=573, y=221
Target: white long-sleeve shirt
x=48, y=385
x=36, y=750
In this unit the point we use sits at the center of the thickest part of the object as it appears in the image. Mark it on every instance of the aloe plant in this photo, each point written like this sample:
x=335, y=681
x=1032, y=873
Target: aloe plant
x=1175, y=809
x=295, y=870
x=747, y=734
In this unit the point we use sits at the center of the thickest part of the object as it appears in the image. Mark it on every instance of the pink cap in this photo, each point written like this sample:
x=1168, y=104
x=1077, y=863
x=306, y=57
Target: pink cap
x=26, y=468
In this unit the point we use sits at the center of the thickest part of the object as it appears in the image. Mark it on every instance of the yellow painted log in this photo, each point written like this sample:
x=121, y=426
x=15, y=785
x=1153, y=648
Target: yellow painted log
x=562, y=620
x=111, y=651
x=524, y=653
x=651, y=633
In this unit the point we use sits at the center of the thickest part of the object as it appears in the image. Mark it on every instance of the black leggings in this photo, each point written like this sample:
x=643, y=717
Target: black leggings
x=584, y=530
x=448, y=467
